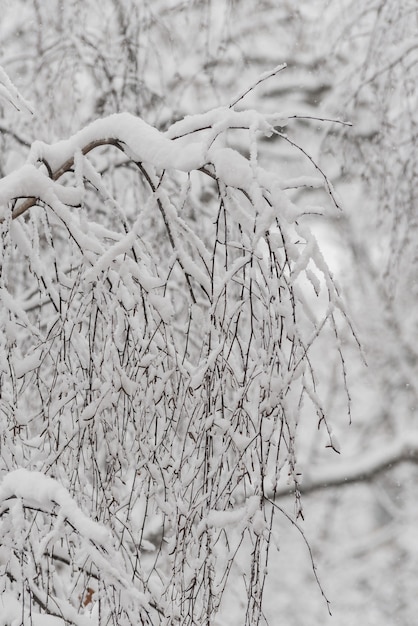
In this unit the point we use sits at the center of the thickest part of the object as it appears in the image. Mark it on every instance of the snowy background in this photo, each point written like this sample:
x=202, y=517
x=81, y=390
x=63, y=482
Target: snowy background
x=163, y=176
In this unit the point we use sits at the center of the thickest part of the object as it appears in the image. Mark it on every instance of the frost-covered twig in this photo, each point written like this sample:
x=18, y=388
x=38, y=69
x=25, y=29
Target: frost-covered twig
x=9, y=92
x=265, y=76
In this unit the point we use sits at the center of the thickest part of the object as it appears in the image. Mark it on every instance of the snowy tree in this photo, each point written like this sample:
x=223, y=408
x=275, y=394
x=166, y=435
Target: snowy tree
x=161, y=61
x=163, y=309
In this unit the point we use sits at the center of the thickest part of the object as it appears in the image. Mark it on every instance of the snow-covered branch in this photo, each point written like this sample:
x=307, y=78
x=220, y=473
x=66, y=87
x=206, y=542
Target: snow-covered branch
x=36, y=489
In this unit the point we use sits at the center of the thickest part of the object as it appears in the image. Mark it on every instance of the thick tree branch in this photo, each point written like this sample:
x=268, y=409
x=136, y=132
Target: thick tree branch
x=365, y=469
x=65, y=167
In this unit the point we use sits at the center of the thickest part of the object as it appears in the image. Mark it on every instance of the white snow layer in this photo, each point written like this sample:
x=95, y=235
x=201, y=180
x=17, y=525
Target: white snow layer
x=44, y=491
x=141, y=142
x=11, y=613
x=170, y=150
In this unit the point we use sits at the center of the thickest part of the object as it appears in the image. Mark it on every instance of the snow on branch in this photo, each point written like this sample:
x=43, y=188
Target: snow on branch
x=37, y=490
x=27, y=500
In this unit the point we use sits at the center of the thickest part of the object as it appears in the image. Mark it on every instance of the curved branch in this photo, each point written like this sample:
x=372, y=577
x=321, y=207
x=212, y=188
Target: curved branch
x=65, y=167
x=21, y=140
x=362, y=470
